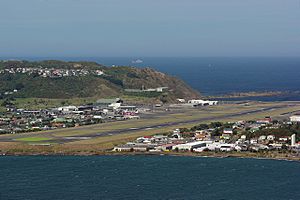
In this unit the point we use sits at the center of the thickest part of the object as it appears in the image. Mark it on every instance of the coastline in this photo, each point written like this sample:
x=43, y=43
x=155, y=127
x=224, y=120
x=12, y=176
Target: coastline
x=252, y=155
x=251, y=94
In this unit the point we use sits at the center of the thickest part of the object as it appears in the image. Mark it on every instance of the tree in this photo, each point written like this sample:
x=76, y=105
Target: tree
x=216, y=124
x=183, y=130
x=19, y=86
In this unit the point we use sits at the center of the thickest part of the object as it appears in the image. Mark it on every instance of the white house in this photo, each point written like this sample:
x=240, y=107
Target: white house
x=228, y=131
x=262, y=137
x=271, y=137
x=243, y=137
x=253, y=141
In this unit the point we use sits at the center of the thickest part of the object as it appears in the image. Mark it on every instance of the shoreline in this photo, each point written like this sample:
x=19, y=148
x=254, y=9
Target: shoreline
x=252, y=155
x=251, y=94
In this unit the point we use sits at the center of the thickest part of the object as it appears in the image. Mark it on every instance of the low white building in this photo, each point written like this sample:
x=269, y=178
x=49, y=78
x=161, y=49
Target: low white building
x=271, y=137
x=115, y=105
x=202, y=102
x=228, y=131
x=189, y=146
x=181, y=100
x=67, y=108
x=227, y=147
x=295, y=118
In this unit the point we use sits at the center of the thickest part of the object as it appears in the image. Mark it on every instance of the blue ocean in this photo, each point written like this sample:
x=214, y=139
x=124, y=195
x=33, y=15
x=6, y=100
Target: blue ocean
x=213, y=76
x=147, y=177
x=217, y=76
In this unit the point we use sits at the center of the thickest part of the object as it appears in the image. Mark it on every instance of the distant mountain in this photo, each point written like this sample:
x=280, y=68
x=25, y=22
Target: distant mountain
x=59, y=79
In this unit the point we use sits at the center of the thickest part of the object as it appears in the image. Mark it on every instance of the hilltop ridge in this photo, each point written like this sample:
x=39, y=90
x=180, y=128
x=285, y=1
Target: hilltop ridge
x=60, y=79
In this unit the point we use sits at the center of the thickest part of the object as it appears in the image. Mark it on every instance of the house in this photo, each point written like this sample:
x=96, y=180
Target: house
x=243, y=137
x=202, y=135
x=262, y=138
x=271, y=137
x=253, y=141
x=254, y=129
x=227, y=133
x=284, y=139
x=266, y=120
x=176, y=134
x=145, y=139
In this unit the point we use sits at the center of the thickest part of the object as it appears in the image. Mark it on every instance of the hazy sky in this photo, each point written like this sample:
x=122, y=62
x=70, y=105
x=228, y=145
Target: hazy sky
x=149, y=28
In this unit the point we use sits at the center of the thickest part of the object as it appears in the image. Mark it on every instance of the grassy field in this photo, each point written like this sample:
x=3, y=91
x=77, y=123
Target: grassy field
x=32, y=139
x=43, y=103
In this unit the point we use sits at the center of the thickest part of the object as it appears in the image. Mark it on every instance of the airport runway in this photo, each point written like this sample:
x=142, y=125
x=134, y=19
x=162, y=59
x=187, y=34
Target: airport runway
x=133, y=129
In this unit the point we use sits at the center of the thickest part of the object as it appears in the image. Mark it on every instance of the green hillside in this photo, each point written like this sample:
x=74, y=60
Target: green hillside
x=63, y=80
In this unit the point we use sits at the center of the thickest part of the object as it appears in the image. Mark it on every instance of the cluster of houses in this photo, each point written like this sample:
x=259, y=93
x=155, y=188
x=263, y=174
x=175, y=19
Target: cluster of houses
x=20, y=120
x=236, y=138
x=52, y=72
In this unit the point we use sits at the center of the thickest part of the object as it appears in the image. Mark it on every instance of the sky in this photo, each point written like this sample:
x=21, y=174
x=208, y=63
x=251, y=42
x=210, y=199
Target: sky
x=154, y=28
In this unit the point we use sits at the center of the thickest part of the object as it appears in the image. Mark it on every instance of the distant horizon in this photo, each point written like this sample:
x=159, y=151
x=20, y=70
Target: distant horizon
x=133, y=28
x=134, y=57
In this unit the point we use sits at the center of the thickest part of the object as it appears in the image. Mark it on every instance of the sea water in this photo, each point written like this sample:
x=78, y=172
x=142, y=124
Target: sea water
x=147, y=177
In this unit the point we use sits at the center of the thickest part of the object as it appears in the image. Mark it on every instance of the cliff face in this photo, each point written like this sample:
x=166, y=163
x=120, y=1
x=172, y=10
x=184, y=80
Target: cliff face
x=58, y=79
